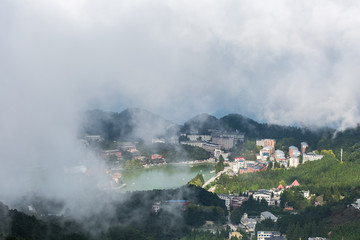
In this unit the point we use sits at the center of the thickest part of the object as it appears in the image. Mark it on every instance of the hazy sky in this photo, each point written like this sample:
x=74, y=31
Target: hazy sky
x=277, y=61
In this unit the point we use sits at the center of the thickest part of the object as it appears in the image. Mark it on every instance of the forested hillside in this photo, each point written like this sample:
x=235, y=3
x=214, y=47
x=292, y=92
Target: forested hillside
x=133, y=218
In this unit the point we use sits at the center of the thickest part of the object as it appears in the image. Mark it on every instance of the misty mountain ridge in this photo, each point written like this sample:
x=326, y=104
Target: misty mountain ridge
x=136, y=123
x=132, y=123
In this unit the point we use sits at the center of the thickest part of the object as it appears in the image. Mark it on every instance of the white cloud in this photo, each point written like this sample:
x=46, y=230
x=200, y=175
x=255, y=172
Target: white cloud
x=280, y=61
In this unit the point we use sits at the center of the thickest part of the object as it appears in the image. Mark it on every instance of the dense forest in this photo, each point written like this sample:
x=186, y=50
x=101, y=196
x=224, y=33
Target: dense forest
x=333, y=183
x=133, y=218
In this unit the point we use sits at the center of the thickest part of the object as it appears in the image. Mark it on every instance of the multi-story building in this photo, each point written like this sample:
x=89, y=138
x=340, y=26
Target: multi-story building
x=210, y=147
x=226, y=198
x=267, y=235
x=266, y=152
x=197, y=137
x=193, y=143
x=294, y=151
x=312, y=156
x=304, y=145
x=279, y=155
x=107, y=153
x=266, y=142
x=226, y=140
x=260, y=142
x=262, y=194
x=237, y=201
x=268, y=215
x=247, y=223
x=294, y=162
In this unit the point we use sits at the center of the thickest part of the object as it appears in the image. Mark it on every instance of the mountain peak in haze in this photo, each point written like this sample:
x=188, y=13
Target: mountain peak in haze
x=132, y=123
x=201, y=124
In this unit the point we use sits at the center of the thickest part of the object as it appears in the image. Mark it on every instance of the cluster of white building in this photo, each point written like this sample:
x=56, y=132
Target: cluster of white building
x=232, y=200
x=270, y=235
x=268, y=152
x=248, y=224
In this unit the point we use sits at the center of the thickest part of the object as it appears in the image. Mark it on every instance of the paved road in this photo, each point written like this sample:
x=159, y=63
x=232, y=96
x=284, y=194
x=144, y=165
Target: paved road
x=216, y=176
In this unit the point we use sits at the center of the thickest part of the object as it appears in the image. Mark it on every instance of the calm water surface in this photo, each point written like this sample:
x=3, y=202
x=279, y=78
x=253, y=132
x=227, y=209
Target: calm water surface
x=163, y=177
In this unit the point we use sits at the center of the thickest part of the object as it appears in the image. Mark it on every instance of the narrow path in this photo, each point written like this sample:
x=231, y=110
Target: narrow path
x=216, y=176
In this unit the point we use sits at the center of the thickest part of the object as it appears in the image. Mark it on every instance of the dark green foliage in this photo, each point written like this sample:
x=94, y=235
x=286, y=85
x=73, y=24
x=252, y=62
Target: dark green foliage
x=201, y=123
x=25, y=226
x=29, y=227
x=316, y=176
x=293, y=198
x=196, y=216
x=133, y=218
x=348, y=232
x=125, y=233
x=265, y=225
x=220, y=164
x=198, y=180
x=253, y=208
x=248, y=150
x=206, y=235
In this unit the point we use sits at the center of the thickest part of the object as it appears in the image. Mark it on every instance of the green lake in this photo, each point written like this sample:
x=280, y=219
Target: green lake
x=164, y=177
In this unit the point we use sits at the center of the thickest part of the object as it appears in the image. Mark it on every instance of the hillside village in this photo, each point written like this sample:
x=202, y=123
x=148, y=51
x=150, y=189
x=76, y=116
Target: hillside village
x=219, y=145
x=262, y=184
x=261, y=188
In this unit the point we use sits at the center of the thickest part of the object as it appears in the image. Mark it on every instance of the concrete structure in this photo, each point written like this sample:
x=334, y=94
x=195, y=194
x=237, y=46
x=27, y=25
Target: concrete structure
x=260, y=142
x=266, y=215
x=266, y=235
x=266, y=152
x=266, y=142
x=304, y=145
x=107, y=153
x=226, y=198
x=127, y=146
x=217, y=153
x=291, y=150
x=197, y=137
x=248, y=224
x=226, y=140
x=236, y=167
x=356, y=205
x=158, y=140
x=173, y=140
x=250, y=166
x=237, y=201
x=210, y=147
x=294, y=161
x=306, y=194
x=277, y=192
x=294, y=152
x=279, y=155
x=93, y=138
x=262, y=194
x=193, y=143
x=235, y=234
x=312, y=156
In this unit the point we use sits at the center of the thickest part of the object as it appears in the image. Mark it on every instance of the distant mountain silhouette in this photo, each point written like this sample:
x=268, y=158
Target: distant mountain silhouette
x=201, y=124
x=132, y=123
x=135, y=123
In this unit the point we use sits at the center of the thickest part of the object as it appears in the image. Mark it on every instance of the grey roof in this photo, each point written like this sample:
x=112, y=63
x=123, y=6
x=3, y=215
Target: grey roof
x=268, y=214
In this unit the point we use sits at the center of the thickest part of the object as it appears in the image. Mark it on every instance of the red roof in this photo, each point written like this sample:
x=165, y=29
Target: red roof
x=280, y=186
x=295, y=183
